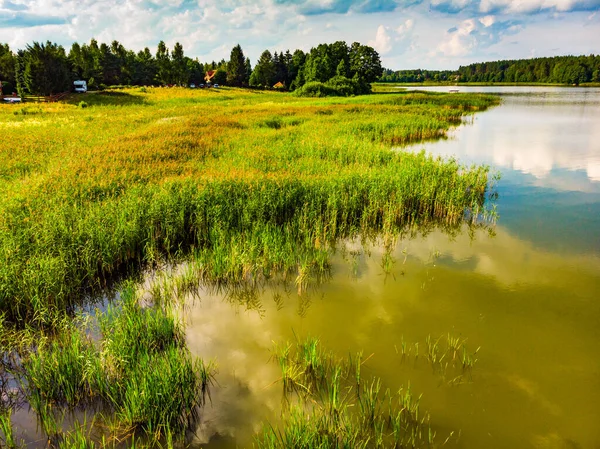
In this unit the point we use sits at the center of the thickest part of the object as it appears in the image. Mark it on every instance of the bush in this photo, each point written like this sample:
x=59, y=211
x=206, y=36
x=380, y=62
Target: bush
x=316, y=89
x=345, y=87
x=82, y=105
x=338, y=86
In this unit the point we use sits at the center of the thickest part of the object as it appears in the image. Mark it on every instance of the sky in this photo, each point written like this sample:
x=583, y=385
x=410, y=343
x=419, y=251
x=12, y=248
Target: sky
x=408, y=34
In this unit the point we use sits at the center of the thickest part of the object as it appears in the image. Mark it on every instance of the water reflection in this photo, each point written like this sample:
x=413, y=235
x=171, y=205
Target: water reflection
x=539, y=132
x=533, y=312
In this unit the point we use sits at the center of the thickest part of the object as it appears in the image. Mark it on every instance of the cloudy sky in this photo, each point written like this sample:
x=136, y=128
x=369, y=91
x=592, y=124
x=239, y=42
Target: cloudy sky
x=434, y=34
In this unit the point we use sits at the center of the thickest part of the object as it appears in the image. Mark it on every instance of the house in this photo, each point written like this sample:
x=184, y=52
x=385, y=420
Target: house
x=209, y=76
x=279, y=85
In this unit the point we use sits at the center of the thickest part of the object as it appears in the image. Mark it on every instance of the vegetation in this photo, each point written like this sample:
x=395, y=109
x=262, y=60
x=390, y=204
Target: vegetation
x=336, y=407
x=45, y=69
x=263, y=188
x=268, y=185
x=557, y=70
x=140, y=370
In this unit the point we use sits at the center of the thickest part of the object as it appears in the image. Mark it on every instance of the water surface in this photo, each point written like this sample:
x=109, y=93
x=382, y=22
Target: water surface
x=528, y=296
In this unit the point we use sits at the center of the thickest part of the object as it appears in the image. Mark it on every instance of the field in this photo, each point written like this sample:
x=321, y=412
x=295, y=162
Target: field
x=242, y=186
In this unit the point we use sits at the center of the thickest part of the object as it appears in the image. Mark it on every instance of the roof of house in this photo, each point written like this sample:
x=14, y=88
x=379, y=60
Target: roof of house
x=278, y=85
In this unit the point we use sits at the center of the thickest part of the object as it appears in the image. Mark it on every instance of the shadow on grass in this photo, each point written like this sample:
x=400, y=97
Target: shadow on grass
x=107, y=98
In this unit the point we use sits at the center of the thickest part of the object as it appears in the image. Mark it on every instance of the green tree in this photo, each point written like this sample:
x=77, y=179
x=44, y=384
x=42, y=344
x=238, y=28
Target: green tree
x=163, y=64
x=44, y=69
x=145, y=68
x=220, y=76
x=342, y=68
x=365, y=64
x=248, y=69
x=179, y=73
x=264, y=71
x=236, y=68
x=7, y=69
x=296, y=70
x=195, y=70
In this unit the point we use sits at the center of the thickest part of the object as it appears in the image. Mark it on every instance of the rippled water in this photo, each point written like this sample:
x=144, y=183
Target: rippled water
x=529, y=297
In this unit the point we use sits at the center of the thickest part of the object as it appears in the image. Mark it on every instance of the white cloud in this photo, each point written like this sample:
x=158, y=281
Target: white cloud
x=383, y=41
x=406, y=27
x=459, y=41
x=487, y=21
x=406, y=37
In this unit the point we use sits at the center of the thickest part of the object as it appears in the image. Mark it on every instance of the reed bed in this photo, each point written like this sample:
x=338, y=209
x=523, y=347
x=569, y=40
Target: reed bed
x=333, y=406
x=247, y=184
x=139, y=372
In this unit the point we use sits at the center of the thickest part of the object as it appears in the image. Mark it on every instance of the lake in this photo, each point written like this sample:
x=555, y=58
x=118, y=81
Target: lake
x=524, y=301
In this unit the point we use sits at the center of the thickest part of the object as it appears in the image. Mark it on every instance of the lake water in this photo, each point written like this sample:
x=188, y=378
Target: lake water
x=528, y=297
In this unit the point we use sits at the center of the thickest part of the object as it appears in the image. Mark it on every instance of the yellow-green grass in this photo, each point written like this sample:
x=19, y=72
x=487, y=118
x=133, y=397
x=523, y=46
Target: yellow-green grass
x=249, y=183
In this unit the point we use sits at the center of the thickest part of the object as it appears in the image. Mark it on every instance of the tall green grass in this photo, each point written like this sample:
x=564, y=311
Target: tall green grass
x=139, y=370
x=268, y=185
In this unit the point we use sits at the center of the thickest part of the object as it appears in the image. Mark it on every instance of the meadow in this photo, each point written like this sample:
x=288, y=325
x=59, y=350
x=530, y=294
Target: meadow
x=243, y=186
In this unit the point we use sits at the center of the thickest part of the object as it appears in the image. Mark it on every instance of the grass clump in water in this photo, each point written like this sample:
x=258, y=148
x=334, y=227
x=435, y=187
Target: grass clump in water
x=140, y=370
x=334, y=407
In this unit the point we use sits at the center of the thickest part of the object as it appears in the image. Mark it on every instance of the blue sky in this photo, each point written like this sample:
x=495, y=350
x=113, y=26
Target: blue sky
x=435, y=34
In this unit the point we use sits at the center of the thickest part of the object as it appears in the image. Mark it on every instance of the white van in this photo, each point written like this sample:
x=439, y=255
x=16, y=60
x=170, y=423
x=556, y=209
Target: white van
x=80, y=86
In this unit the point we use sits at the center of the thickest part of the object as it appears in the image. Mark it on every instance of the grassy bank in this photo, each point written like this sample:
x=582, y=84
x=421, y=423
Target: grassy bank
x=247, y=183
x=391, y=87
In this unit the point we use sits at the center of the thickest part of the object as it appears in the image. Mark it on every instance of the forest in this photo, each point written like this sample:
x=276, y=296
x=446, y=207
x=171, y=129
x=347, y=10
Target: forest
x=556, y=70
x=47, y=68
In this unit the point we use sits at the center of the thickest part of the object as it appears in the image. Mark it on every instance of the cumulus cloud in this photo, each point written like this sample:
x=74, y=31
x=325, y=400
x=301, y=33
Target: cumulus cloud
x=513, y=6
x=208, y=29
x=383, y=41
x=474, y=33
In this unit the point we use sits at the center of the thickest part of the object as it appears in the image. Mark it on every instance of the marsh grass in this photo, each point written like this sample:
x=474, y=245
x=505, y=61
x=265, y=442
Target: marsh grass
x=331, y=405
x=447, y=355
x=139, y=371
x=267, y=185
x=7, y=438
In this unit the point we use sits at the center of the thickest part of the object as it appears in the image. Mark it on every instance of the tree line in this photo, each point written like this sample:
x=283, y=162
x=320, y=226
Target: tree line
x=47, y=68
x=559, y=69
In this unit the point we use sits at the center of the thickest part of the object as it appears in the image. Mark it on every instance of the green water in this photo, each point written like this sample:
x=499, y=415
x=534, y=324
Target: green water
x=528, y=297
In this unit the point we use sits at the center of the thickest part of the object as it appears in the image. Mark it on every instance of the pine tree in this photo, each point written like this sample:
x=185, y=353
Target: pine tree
x=236, y=69
x=163, y=64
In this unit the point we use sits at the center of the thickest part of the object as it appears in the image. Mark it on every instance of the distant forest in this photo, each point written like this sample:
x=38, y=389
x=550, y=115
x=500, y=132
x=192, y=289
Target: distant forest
x=47, y=68
x=559, y=69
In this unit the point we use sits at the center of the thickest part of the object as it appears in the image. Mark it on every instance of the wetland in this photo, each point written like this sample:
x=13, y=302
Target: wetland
x=236, y=269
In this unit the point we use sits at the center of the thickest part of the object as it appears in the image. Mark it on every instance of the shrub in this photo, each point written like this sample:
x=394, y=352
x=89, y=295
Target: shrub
x=316, y=89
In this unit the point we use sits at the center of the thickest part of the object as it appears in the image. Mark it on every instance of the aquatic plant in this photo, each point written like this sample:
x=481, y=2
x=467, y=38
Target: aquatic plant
x=336, y=408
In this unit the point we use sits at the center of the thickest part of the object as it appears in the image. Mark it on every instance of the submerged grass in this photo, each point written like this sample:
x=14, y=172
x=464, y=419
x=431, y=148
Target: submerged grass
x=246, y=184
x=332, y=406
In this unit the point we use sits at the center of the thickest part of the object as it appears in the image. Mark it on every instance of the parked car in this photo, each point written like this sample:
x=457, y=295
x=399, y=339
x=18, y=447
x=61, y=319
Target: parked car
x=215, y=85
x=192, y=86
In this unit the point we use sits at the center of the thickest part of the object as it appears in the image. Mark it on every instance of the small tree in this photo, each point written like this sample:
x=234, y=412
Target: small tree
x=220, y=77
x=179, y=71
x=7, y=68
